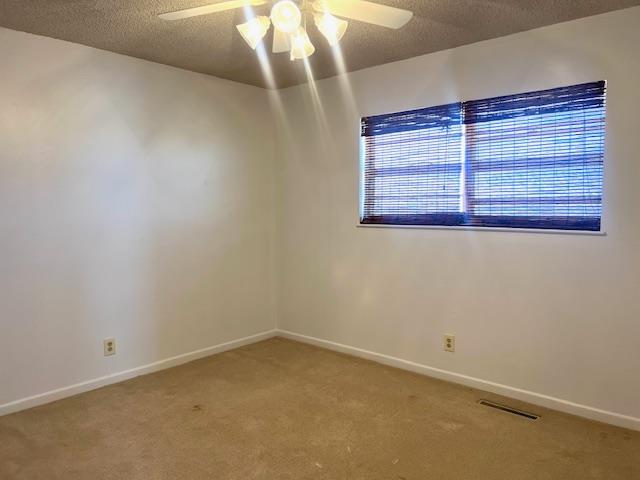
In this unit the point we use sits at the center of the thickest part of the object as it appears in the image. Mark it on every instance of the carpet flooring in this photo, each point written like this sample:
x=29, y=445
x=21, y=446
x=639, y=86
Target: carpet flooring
x=284, y=410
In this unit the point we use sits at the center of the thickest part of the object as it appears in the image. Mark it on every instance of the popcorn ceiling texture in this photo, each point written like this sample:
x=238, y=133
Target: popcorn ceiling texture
x=211, y=44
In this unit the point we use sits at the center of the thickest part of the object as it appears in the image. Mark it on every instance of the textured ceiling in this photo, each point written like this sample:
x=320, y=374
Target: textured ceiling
x=211, y=44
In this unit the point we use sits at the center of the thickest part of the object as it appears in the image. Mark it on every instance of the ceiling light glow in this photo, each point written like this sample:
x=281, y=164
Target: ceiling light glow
x=301, y=46
x=254, y=30
x=286, y=16
x=331, y=27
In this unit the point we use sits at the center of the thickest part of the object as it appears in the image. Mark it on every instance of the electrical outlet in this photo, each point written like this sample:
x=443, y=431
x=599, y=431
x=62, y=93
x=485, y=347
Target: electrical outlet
x=109, y=345
x=450, y=343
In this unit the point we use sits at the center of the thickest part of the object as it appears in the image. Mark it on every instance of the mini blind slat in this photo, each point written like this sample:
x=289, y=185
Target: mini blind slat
x=556, y=100
x=533, y=160
x=433, y=117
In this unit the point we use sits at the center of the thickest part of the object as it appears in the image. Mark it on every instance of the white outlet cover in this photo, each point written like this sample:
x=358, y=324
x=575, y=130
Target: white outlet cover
x=449, y=343
x=109, y=346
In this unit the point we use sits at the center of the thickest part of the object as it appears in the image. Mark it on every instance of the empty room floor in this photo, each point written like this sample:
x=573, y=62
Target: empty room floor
x=279, y=409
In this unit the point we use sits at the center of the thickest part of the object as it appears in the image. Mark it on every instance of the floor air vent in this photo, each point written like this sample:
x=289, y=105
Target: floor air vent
x=504, y=408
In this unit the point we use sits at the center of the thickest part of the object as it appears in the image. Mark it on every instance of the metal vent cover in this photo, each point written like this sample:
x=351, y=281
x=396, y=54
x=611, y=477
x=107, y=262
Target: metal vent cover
x=505, y=408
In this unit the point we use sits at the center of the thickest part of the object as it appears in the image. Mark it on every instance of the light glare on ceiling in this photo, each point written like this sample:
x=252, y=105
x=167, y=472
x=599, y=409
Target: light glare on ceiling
x=254, y=30
x=331, y=27
x=286, y=16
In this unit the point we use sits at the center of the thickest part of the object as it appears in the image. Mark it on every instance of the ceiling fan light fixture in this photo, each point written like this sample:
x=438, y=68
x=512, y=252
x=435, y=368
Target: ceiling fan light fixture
x=286, y=16
x=254, y=30
x=331, y=27
x=301, y=46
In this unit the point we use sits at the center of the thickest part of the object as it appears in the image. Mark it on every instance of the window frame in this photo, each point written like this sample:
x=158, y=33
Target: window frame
x=361, y=164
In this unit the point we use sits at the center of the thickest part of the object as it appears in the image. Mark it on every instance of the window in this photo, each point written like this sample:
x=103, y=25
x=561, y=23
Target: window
x=533, y=160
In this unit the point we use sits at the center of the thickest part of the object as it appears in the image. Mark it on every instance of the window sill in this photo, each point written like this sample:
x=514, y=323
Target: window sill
x=600, y=233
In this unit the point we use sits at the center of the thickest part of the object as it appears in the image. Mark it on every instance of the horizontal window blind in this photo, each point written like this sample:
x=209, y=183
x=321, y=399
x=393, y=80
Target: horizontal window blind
x=532, y=160
x=412, y=166
x=535, y=160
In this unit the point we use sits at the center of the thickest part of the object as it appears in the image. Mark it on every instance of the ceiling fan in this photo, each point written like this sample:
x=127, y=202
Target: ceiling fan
x=289, y=20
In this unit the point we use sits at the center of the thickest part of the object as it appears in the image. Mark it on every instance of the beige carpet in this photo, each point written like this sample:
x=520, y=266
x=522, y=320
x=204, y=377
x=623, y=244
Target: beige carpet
x=284, y=410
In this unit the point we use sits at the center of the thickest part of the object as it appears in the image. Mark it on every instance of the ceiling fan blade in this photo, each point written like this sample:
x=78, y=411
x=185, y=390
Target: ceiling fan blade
x=212, y=8
x=281, y=41
x=367, y=12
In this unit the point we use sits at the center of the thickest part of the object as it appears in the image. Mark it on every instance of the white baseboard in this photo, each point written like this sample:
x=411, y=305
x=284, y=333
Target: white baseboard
x=512, y=392
x=524, y=395
x=71, y=390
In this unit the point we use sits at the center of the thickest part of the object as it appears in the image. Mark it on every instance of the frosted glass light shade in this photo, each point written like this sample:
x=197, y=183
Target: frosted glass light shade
x=331, y=27
x=301, y=46
x=286, y=16
x=254, y=30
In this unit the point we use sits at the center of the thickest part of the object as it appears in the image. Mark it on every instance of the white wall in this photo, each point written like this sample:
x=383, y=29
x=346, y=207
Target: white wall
x=136, y=201
x=558, y=315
